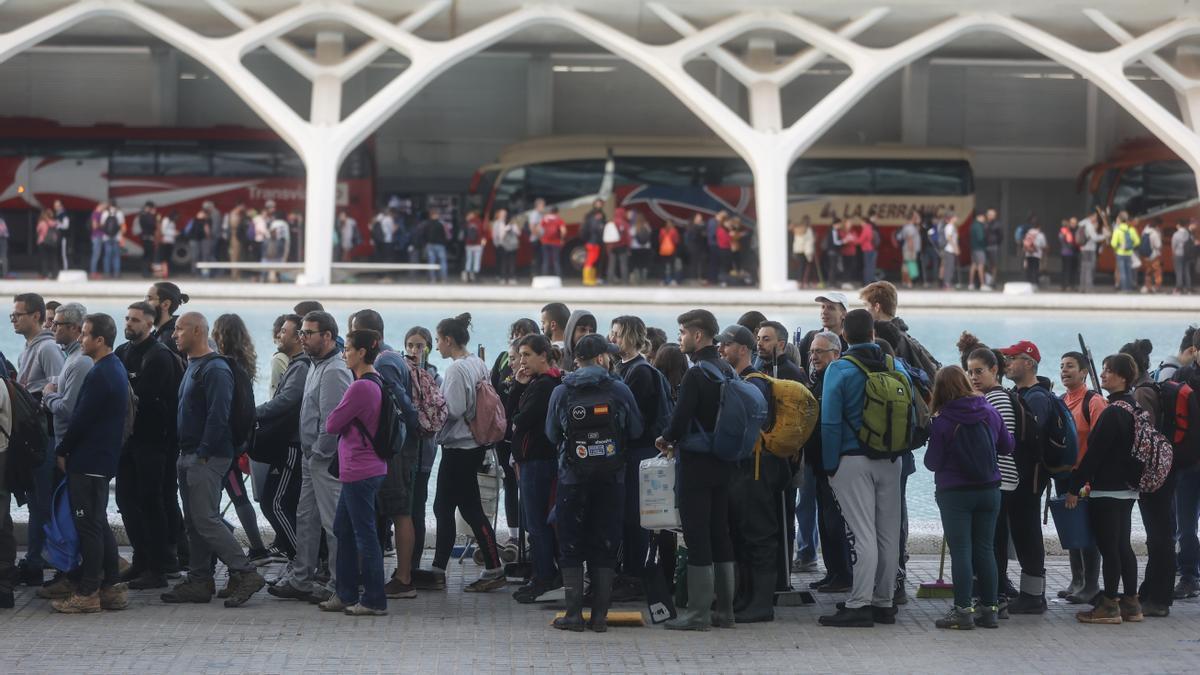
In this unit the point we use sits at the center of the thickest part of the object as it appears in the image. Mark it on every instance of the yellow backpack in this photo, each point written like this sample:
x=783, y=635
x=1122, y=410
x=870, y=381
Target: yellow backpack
x=792, y=415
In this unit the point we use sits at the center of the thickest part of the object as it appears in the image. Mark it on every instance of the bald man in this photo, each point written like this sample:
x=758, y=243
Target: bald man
x=205, y=453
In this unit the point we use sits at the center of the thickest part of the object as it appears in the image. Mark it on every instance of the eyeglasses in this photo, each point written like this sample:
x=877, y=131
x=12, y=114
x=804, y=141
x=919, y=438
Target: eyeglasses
x=306, y=333
x=16, y=315
x=60, y=324
x=822, y=351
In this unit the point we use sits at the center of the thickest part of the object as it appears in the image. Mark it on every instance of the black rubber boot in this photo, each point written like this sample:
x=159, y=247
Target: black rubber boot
x=723, y=585
x=602, y=583
x=573, y=588
x=762, y=604
x=698, y=615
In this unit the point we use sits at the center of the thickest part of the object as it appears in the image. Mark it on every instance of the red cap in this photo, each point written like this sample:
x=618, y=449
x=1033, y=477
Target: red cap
x=1023, y=347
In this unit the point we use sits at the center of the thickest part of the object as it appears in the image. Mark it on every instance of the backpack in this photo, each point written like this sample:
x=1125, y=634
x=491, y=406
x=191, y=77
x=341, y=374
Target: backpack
x=62, y=539
x=740, y=417
x=27, y=442
x=1150, y=448
x=1029, y=242
x=792, y=415
x=112, y=226
x=241, y=413
x=644, y=235
x=977, y=452
x=1144, y=249
x=595, y=443
x=390, y=434
x=887, y=409
x=427, y=398
x=130, y=416
x=1127, y=238
x=145, y=223
x=665, y=402
x=1058, y=449
x=1178, y=405
x=1086, y=407
x=489, y=424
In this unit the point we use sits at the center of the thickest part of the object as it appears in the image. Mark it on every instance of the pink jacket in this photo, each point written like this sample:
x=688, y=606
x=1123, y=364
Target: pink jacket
x=356, y=456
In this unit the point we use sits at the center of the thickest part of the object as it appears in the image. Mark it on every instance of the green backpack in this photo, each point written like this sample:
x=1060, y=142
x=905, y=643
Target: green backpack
x=887, y=409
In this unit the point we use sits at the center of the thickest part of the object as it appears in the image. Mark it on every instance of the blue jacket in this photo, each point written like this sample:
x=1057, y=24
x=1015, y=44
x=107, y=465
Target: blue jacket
x=93, y=440
x=629, y=417
x=842, y=397
x=393, y=369
x=205, y=403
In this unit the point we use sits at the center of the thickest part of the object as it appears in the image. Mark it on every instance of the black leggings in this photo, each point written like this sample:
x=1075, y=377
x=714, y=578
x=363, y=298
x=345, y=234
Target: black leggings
x=512, y=505
x=420, y=497
x=458, y=488
x=1110, y=520
x=1024, y=509
x=1158, y=517
x=703, y=490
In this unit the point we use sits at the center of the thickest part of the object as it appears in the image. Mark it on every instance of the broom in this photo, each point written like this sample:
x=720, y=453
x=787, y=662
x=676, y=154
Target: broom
x=939, y=588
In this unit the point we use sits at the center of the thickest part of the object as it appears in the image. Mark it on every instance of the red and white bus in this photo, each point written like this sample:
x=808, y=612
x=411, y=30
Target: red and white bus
x=177, y=168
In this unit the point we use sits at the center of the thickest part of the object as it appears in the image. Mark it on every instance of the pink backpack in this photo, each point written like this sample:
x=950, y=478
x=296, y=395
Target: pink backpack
x=427, y=398
x=489, y=424
x=1150, y=448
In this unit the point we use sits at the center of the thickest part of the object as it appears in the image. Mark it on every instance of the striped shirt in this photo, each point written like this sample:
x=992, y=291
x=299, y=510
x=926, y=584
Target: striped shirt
x=1002, y=402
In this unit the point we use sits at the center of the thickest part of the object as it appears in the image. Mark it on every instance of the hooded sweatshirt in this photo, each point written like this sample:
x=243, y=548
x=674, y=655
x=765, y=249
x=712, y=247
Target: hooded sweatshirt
x=944, y=456
x=324, y=386
x=568, y=362
x=38, y=362
x=458, y=388
x=528, y=421
x=842, y=396
x=628, y=418
x=289, y=392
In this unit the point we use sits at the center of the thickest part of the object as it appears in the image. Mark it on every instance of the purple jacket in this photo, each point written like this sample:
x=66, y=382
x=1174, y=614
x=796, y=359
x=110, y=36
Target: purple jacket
x=942, y=456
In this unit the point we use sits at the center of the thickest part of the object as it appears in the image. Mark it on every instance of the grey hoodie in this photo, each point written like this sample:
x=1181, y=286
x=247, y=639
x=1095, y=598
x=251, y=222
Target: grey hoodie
x=61, y=402
x=41, y=360
x=568, y=362
x=327, y=381
x=458, y=387
x=289, y=391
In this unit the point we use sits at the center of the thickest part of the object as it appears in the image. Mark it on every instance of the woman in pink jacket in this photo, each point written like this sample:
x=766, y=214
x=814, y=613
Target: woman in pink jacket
x=356, y=422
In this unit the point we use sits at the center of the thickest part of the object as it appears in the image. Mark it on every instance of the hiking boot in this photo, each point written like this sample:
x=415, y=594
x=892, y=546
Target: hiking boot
x=1131, y=609
x=602, y=585
x=225, y=590
x=333, y=604
x=29, y=575
x=395, y=589
x=1186, y=588
x=148, y=580
x=60, y=588
x=985, y=616
x=189, y=591
x=1154, y=609
x=488, y=581
x=242, y=586
x=530, y=592
x=362, y=610
x=698, y=614
x=1028, y=604
x=78, y=604
x=858, y=617
x=115, y=597
x=572, y=620
x=724, y=581
x=957, y=618
x=1107, y=611
x=286, y=591
x=429, y=580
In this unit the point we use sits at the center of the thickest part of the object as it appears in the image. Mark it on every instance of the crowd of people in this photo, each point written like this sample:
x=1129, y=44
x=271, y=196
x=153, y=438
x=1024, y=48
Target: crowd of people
x=782, y=447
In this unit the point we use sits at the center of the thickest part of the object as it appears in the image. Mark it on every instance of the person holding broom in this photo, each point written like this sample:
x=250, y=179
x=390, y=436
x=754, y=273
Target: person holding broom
x=966, y=436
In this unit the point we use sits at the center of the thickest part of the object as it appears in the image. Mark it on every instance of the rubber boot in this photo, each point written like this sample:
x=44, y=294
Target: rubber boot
x=745, y=588
x=1032, y=598
x=573, y=588
x=723, y=587
x=698, y=614
x=762, y=604
x=1091, y=578
x=602, y=585
x=1076, y=584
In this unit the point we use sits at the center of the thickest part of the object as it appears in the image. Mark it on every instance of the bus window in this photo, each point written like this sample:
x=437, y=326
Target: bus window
x=510, y=193
x=1167, y=183
x=287, y=163
x=732, y=172
x=181, y=162
x=830, y=177
x=355, y=164
x=561, y=181
x=921, y=177
x=665, y=171
x=1128, y=195
x=477, y=199
x=243, y=163
x=132, y=160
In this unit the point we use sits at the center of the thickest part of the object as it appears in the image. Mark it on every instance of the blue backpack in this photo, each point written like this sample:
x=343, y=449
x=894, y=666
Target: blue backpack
x=741, y=415
x=62, y=541
x=1059, y=442
x=976, y=451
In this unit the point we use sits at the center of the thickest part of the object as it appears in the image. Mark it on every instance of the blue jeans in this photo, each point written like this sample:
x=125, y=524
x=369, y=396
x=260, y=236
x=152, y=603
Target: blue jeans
x=1187, y=509
x=97, y=253
x=1125, y=263
x=869, y=267
x=112, y=258
x=969, y=521
x=39, y=507
x=552, y=260
x=474, y=259
x=807, y=538
x=435, y=254
x=359, y=557
x=537, y=494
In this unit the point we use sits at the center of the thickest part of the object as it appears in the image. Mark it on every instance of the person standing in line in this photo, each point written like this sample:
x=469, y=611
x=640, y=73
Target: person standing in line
x=950, y=252
x=1033, y=244
x=1068, y=240
x=63, y=221
x=457, y=485
x=88, y=453
x=1153, y=263
x=533, y=224
x=616, y=243
x=147, y=222
x=553, y=228
x=434, y=231
x=696, y=242
x=114, y=235
x=96, y=230
x=1092, y=236
x=1086, y=406
x=324, y=386
x=833, y=316
x=1183, y=250
x=361, y=471
x=966, y=437
x=908, y=239
x=506, y=237
x=154, y=375
x=868, y=242
x=995, y=239
x=418, y=343
x=473, y=247
x=206, y=450
x=669, y=243
x=804, y=250
x=1125, y=241
x=8, y=540
x=4, y=236
x=641, y=247
x=348, y=235
x=38, y=363
x=47, y=244
x=824, y=349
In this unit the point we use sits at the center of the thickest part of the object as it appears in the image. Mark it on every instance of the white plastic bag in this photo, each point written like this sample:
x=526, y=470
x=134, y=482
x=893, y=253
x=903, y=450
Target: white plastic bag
x=656, y=494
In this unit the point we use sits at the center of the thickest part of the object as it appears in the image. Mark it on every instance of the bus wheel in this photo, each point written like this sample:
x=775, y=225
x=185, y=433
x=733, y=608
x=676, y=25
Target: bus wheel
x=181, y=255
x=574, y=256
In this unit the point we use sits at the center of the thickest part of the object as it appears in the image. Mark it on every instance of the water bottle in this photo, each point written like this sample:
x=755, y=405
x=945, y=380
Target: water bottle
x=797, y=336
x=481, y=352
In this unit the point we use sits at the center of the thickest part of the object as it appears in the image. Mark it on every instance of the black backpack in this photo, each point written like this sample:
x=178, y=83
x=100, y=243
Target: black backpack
x=147, y=223
x=976, y=451
x=595, y=443
x=390, y=434
x=112, y=226
x=241, y=414
x=27, y=442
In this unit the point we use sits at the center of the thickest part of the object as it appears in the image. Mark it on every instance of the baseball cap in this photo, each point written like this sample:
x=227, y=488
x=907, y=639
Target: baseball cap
x=1023, y=347
x=739, y=334
x=834, y=298
x=592, y=345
